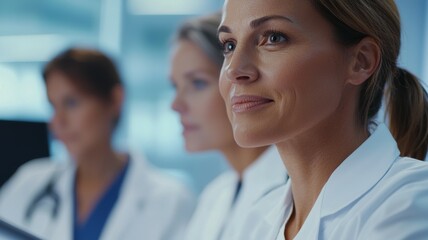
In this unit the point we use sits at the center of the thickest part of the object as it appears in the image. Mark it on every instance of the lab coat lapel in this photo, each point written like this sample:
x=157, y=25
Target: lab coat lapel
x=219, y=212
x=130, y=202
x=272, y=222
x=63, y=225
x=266, y=174
x=268, y=166
x=311, y=227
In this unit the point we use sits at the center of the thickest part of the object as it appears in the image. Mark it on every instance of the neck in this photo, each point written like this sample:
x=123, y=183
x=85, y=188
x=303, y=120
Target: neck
x=311, y=159
x=241, y=158
x=95, y=172
x=100, y=165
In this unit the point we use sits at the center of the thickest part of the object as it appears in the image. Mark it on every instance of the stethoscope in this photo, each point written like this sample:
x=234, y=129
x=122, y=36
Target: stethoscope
x=47, y=192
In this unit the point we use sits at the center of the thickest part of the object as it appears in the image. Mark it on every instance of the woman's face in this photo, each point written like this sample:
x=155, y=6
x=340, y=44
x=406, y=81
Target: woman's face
x=83, y=122
x=284, y=72
x=198, y=100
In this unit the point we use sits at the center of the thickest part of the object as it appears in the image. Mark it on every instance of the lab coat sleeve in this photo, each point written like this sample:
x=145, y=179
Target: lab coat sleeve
x=403, y=215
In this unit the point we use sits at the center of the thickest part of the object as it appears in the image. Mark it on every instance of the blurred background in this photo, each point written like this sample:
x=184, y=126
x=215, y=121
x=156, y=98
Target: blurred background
x=137, y=35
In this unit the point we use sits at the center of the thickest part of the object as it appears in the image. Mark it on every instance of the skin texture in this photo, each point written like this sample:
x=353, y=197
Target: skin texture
x=286, y=80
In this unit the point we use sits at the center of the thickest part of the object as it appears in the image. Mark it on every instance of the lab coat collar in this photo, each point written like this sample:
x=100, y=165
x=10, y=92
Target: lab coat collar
x=135, y=189
x=278, y=204
x=126, y=208
x=64, y=187
x=268, y=166
x=373, y=158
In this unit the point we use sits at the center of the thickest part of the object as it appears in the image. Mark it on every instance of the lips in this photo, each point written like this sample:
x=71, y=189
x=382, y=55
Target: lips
x=247, y=103
x=188, y=127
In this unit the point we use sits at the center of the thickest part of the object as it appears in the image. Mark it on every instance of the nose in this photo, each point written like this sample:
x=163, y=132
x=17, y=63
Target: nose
x=178, y=104
x=240, y=67
x=57, y=122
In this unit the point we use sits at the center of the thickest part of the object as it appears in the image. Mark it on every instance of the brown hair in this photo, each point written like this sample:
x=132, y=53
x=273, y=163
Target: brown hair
x=89, y=69
x=406, y=99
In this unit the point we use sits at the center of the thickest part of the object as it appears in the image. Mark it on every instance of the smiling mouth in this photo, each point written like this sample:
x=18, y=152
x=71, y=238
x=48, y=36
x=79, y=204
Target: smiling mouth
x=242, y=104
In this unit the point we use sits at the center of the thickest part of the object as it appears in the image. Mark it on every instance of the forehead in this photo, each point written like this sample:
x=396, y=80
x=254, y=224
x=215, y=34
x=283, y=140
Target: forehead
x=59, y=85
x=242, y=12
x=187, y=56
x=59, y=81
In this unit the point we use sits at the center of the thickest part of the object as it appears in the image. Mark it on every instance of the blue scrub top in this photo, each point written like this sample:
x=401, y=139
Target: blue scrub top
x=92, y=227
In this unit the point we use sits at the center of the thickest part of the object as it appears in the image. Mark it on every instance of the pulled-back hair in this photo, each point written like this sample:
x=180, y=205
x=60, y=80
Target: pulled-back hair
x=406, y=99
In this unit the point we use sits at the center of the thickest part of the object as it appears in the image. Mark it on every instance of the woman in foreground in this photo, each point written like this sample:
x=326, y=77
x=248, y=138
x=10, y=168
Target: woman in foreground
x=310, y=76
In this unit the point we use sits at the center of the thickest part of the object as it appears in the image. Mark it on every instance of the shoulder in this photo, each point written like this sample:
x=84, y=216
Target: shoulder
x=34, y=172
x=407, y=176
x=399, y=207
x=40, y=166
x=26, y=182
x=405, y=181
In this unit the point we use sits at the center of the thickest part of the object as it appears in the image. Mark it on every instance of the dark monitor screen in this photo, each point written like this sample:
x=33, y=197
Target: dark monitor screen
x=21, y=141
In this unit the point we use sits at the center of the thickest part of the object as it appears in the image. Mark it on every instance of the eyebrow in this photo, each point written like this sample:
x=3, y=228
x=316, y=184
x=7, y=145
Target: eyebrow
x=257, y=22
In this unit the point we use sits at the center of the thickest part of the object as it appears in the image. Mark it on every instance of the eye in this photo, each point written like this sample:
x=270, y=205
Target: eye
x=274, y=37
x=71, y=103
x=199, y=84
x=228, y=46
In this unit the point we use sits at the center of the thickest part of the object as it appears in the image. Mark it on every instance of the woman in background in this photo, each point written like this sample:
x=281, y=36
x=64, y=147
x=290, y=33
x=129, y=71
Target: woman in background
x=196, y=64
x=309, y=76
x=101, y=193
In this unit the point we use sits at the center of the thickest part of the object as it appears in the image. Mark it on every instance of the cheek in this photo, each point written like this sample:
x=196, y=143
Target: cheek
x=214, y=113
x=213, y=106
x=94, y=122
x=308, y=89
x=224, y=86
x=322, y=83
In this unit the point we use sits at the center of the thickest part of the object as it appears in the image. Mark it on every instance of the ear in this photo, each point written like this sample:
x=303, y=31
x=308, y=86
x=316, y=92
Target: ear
x=365, y=60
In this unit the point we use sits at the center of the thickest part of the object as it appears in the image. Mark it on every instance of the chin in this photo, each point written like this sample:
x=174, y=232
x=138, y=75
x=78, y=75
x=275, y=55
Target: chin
x=251, y=139
x=76, y=152
x=197, y=147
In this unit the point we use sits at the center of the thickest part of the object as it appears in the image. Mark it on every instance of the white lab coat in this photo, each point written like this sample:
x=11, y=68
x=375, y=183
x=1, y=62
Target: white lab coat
x=373, y=194
x=151, y=205
x=215, y=218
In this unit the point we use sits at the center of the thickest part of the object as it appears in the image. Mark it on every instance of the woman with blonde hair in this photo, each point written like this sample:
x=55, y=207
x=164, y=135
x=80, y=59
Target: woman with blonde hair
x=224, y=203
